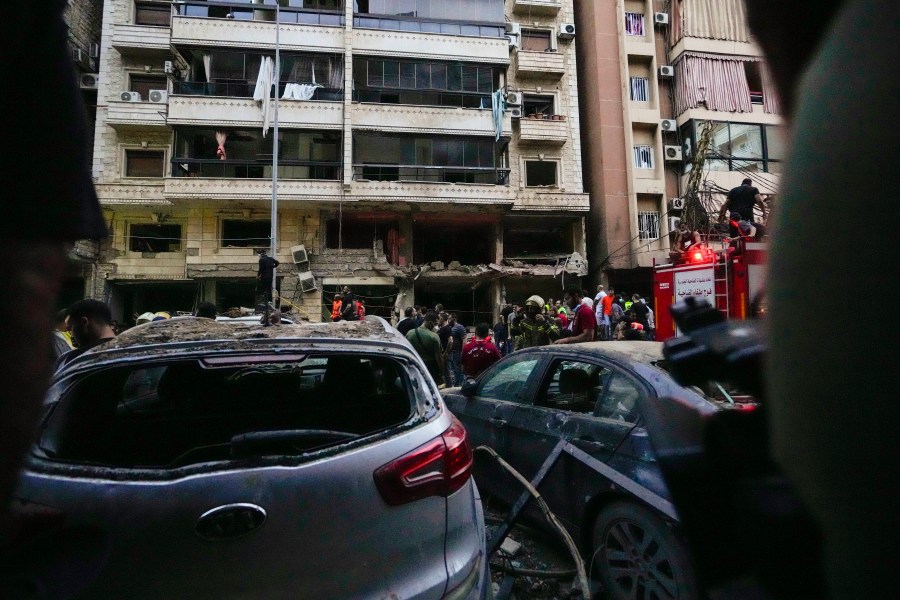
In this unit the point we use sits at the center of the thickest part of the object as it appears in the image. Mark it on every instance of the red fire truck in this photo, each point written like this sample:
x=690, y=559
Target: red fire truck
x=729, y=279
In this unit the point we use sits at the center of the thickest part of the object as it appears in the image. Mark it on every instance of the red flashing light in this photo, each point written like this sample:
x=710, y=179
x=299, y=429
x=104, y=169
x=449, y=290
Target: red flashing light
x=698, y=256
x=436, y=468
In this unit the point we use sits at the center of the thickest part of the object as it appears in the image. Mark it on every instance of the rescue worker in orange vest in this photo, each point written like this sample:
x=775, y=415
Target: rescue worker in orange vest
x=336, y=308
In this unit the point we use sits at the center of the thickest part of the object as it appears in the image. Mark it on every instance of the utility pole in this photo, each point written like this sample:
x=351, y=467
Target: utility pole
x=273, y=235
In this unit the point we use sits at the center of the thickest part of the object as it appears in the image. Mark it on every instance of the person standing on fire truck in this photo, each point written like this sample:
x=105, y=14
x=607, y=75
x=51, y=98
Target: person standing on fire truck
x=742, y=199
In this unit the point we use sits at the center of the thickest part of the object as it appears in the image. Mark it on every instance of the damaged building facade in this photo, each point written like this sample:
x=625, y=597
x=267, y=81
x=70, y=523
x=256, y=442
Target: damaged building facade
x=428, y=152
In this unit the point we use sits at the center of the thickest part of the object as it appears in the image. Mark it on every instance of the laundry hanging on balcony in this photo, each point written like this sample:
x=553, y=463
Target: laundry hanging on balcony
x=263, y=91
x=301, y=91
x=221, y=136
x=498, y=105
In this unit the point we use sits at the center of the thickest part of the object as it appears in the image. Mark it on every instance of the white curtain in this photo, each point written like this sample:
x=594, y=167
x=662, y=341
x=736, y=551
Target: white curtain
x=207, y=64
x=263, y=91
x=221, y=136
x=640, y=89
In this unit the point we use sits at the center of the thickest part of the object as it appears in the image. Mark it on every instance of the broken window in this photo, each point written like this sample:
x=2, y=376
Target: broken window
x=509, y=379
x=153, y=237
x=246, y=234
x=175, y=414
x=386, y=157
x=525, y=237
x=353, y=231
x=540, y=173
x=144, y=163
x=534, y=104
x=469, y=243
x=574, y=386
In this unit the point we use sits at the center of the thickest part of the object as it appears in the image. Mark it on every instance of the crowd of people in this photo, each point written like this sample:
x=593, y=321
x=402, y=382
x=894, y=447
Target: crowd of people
x=452, y=354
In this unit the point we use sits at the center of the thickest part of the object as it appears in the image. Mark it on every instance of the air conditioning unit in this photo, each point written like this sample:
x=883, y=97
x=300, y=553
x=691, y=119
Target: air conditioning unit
x=307, y=281
x=661, y=18
x=159, y=96
x=83, y=61
x=130, y=96
x=169, y=67
x=677, y=203
x=668, y=124
x=674, y=222
x=513, y=28
x=300, y=255
x=89, y=81
x=94, y=50
x=667, y=71
x=515, y=112
x=672, y=153
x=567, y=30
x=514, y=98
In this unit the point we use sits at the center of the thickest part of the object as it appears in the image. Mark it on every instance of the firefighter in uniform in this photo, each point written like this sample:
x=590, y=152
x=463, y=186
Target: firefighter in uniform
x=534, y=329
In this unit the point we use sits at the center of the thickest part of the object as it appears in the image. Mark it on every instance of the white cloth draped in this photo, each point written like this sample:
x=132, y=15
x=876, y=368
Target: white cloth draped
x=207, y=65
x=263, y=91
x=299, y=91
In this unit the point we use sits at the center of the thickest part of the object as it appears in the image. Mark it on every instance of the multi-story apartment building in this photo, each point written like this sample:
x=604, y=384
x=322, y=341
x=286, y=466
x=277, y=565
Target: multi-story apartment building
x=652, y=74
x=395, y=173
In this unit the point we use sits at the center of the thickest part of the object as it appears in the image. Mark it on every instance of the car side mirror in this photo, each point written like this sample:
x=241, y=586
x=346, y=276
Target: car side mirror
x=469, y=387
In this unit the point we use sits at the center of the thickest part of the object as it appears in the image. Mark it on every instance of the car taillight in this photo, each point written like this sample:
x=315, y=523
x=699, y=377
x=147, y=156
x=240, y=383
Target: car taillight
x=437, y=468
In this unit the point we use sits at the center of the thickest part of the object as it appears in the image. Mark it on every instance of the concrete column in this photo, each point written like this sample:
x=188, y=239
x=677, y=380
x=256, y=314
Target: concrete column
x=406, y=240
x=498, y=242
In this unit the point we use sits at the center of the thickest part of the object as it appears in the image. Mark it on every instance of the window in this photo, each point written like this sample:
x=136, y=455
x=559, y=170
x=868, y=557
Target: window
x=154, y=237
x=754, y=81
x=643, y=157
x=166, y=416
x=540, y=173
x=538, y=105
x=153, y=13
x=648, y=225
x=634, y=24
x=246, y=234
x=574, y=386
x=621, y=400
x=536, y=40
x=144, y=163
x=508, y=380
x=742, y=146
x=640, y=89
x=143, y=84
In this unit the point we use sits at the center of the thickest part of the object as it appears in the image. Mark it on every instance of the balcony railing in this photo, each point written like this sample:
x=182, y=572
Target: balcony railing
x=388, y=172
x=265, y=12
x=242, y=89
x=421, y=98
x=255, y=169
x=405, y=23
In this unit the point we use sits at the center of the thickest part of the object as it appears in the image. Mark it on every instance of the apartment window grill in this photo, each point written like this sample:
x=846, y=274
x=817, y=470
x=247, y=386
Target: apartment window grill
x=640, y=89
x=634, y=24
x=643, y=157
x=648, y=225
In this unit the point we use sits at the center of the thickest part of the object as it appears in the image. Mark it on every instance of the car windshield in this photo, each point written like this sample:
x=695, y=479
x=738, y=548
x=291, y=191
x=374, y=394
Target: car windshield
x=184, y=412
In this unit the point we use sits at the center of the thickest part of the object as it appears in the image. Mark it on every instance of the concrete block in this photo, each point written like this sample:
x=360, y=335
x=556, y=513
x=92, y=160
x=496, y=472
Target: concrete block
x=454, y=264
x=437, y=265
x=510, y=546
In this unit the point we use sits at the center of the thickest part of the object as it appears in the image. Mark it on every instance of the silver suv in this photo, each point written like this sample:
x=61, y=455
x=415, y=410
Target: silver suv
x=225, y=460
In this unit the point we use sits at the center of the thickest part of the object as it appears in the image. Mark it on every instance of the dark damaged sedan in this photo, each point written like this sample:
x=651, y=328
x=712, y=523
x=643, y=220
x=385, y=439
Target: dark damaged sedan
x=190, y=458
x=589, y=395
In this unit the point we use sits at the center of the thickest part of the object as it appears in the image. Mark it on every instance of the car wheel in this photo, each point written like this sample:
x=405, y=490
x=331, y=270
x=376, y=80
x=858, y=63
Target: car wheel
x=638, y=557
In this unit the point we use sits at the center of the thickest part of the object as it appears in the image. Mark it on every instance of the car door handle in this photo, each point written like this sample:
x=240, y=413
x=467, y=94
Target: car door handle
x=498, y=422
x=230, y=521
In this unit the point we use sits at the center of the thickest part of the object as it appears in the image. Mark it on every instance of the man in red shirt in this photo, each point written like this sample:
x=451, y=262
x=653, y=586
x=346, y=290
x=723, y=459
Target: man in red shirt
x=583, y=320
x=479, y=353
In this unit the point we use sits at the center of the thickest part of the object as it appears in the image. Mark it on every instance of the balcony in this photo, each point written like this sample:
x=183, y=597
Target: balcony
x=135, y=115
x=431, y=192
x=242, y=111
x=430, y=174
x=254, y=169
x=411, y=44
x=551, y=130
x=548, y=8
x=539, y=64
x=239, y=33
x=212, y=188
x=427, y=119
x=145, y=37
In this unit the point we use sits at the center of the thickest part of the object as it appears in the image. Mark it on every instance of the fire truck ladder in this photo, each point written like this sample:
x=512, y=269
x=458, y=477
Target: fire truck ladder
x=721, y=293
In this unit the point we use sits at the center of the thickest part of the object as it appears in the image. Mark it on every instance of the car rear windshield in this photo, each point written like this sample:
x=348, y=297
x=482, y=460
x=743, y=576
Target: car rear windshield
x=172, y=414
